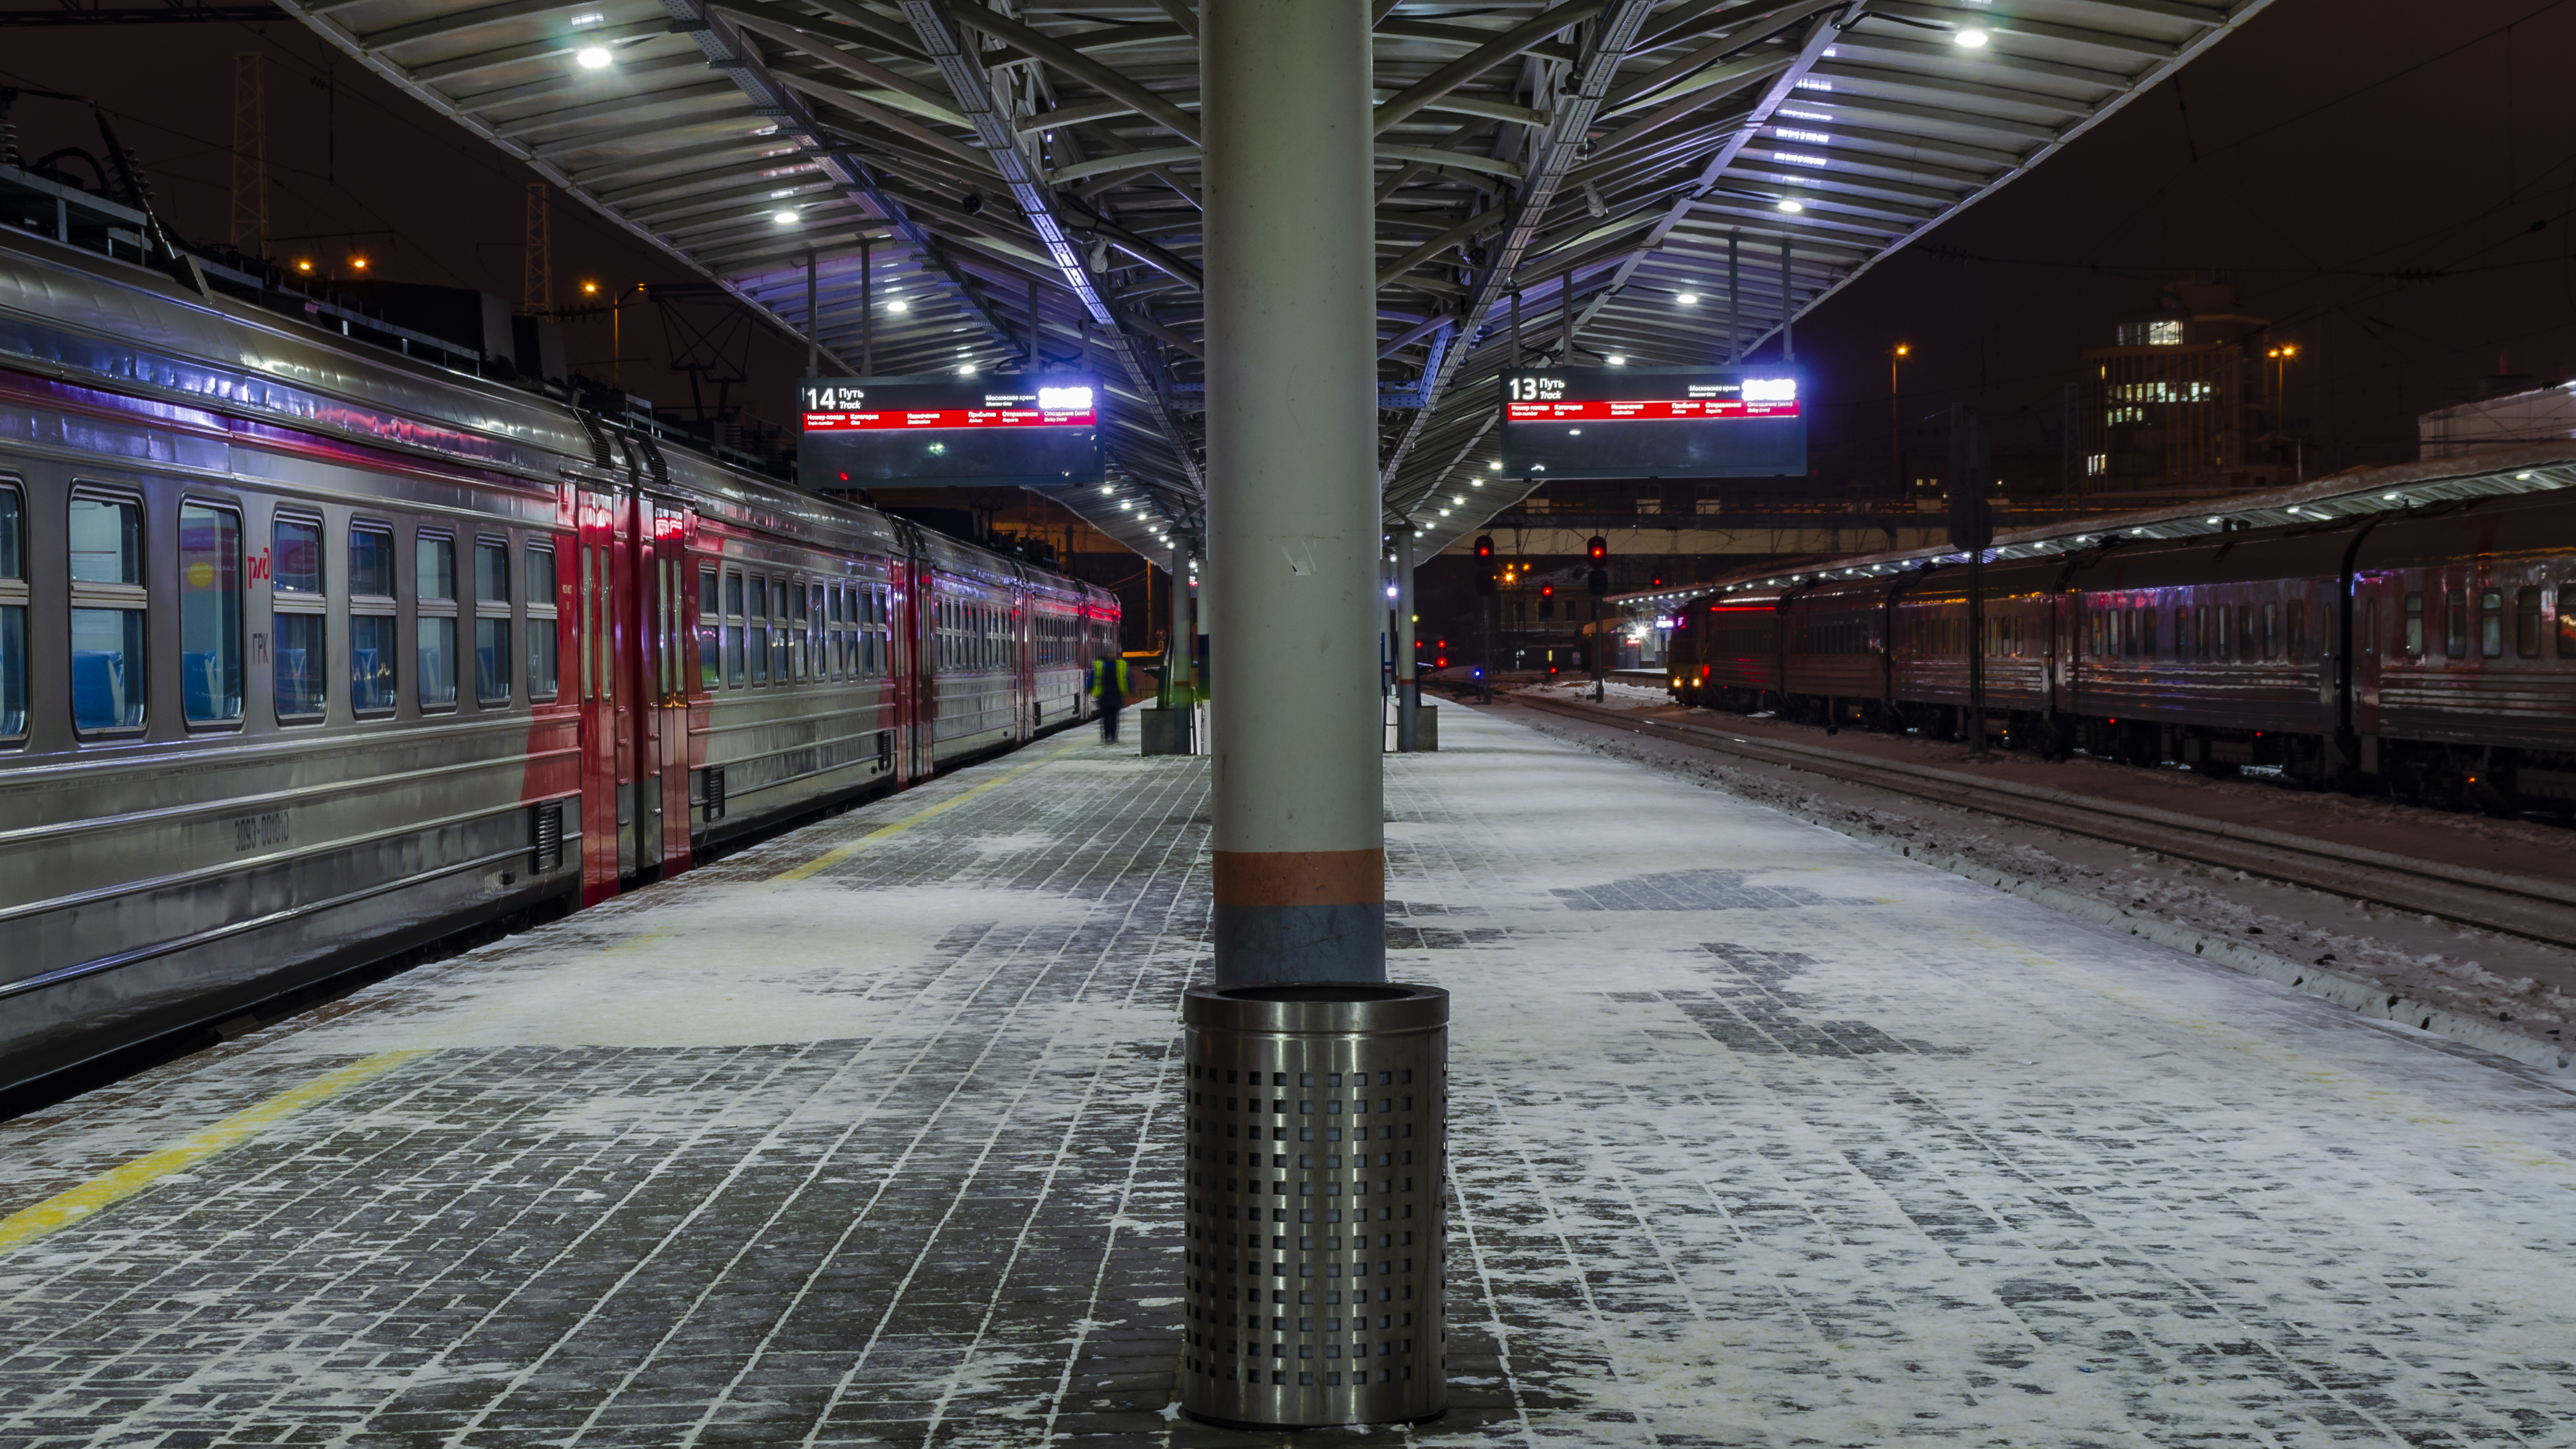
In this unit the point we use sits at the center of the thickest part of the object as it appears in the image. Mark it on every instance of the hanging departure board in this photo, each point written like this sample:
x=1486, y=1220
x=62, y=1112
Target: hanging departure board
x=950, y=431
x=1653, y=422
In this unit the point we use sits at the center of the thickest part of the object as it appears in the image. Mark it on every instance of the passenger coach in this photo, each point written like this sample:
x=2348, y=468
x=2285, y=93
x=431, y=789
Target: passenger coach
x=310, y=653
x=2409, y=630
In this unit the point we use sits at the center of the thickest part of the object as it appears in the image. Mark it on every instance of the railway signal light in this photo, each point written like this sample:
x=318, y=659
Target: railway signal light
x=1484, y=563
x=1547, y=601
x=1598, y=550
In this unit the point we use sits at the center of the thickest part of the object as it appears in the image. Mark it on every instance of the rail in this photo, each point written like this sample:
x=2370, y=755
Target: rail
x=2535, y=909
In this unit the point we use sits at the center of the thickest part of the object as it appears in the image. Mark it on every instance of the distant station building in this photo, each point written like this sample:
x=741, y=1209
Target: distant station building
x=2187, y=401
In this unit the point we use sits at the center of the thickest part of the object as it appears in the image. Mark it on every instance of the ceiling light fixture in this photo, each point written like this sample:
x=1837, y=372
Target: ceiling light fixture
x=1791, y=205
x=783, y=218
x=1969, y=37
x=593, y=57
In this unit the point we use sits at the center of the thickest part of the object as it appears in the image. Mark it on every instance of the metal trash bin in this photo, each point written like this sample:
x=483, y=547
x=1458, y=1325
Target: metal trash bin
x=1298, y=1316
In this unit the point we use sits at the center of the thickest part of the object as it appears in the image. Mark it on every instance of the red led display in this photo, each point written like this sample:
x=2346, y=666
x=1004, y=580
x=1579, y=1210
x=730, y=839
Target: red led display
x=947, y=418
x=1623, y=409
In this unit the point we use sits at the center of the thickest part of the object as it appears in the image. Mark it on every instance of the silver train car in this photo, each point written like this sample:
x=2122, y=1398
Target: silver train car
x=311, y=653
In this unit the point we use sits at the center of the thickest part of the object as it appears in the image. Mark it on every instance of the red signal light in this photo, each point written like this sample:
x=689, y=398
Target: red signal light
x=1442, y=662
x=1547, y=591
x=1599, y=548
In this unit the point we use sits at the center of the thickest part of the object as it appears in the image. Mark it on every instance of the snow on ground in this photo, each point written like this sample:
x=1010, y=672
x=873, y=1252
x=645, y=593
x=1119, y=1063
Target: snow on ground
x=1762, y=1136
x=2525, y=985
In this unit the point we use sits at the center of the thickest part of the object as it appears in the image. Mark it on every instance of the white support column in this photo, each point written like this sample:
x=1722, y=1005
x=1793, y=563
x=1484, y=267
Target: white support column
x=1178, y=646
x=1293, y=512
x=1408, y=685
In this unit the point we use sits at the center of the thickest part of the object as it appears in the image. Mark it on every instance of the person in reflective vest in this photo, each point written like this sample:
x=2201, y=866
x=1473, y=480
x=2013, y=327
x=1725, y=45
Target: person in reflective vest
x=1109, y=687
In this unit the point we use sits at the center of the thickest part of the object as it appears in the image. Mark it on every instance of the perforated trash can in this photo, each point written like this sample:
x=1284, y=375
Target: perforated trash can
x=1317, y=1119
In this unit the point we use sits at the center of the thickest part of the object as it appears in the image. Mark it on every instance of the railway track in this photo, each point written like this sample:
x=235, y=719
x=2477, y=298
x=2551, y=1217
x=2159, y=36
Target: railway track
x=2534, y=909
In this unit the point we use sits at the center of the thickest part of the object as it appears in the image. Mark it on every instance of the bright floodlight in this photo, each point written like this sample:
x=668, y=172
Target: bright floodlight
x=592, y=57
x=1971, y=37
x=1770, y=389
x=1688, y=299
x=898, y=305
x=783, y=218
x=1791, y=204
x=1616, y=360
x=1064, y=399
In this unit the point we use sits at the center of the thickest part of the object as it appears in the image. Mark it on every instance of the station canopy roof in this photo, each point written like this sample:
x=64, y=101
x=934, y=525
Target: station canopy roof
x=1020, y=165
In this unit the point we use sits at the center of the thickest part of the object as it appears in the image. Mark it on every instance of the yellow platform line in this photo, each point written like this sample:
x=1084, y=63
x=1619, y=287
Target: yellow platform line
x=90, y=1198
x=846, y=849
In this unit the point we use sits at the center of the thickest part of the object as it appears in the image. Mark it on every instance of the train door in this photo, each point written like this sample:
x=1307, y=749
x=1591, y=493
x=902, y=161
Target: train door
x=1024, y=674
x=921, y=634
x=674, y=611
x=2379, y=623
x=607, y=840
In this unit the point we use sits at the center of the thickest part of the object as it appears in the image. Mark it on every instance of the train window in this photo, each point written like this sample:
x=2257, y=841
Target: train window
x=543, y=640
x=2455, y=624
x=818, y=629
x=2249, y=634
x=2526, y=624
x=792, y=661
x=2295, y=629
x=108, y=602
x=491, y=621
x=2370, y=627
x=756, y=632
x=2183, y=636
x=210, y=614
x=779, y=589
x=13, y=615
x=881, y=606
x=434, y=596
x=371, y=618
x=491, y=571
x=2271, y=628
x=2491, y=623
x=2142, y=631
x=2414, y=626
x=733, y=628
x=2566, y=621
x=710, y=628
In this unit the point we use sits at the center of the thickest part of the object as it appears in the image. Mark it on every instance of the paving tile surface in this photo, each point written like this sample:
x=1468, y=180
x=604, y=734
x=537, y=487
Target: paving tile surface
x=1762, y=1137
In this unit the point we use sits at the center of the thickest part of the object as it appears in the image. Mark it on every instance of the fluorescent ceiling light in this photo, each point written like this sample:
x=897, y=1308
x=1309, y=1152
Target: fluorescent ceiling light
x=593, y=57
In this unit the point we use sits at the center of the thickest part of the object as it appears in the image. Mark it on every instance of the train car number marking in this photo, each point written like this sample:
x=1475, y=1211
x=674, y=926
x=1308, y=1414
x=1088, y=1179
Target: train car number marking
x=258, y=832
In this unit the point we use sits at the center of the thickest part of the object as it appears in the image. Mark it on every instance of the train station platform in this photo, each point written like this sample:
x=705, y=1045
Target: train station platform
x=1762, y=1136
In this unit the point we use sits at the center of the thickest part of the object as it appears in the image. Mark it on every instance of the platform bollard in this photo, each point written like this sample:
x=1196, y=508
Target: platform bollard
x=1314, y=1148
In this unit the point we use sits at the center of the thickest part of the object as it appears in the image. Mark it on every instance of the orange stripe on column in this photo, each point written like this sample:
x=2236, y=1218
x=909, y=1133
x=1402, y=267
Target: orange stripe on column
x=1300, y=877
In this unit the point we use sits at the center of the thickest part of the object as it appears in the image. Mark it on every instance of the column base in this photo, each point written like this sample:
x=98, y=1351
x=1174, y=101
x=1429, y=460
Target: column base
x=1259, y=945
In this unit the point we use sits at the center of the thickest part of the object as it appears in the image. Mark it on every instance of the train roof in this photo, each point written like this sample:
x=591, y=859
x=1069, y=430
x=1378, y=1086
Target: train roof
x=2360, y=492
x=90, y=322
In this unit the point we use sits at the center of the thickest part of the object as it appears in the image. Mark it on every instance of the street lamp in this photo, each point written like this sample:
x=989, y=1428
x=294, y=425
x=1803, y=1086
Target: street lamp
x=1895, y=430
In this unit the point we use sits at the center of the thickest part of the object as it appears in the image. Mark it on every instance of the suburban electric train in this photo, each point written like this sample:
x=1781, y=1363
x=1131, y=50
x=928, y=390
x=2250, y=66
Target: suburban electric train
x=2426, y=651
x=311, y=653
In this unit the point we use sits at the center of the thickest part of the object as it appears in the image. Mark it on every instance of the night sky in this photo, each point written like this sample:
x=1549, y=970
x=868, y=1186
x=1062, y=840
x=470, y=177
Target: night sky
x=2394, y=183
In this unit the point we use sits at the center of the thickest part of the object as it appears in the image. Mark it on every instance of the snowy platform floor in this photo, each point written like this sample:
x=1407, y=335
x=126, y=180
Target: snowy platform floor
x=1764, y=1137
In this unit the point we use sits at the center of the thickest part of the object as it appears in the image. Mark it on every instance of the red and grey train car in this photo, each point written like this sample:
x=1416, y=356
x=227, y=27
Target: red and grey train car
x=2425, y=650
x=310, y=653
